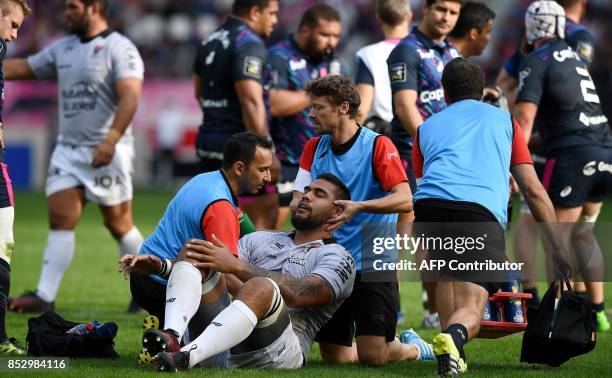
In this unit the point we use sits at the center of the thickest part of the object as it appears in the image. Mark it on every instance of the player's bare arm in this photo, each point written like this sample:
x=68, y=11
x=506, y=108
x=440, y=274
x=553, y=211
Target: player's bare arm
x=366, y=92
x=250, y=94
x=17, y=69
x=406, y=110
x=285, y=103
x=509, y=86
x=141, y=265
x=311, y=291
x=128, y=92
x=543, y=211
x=197, y=86
x=399, y=200
x=525, y=113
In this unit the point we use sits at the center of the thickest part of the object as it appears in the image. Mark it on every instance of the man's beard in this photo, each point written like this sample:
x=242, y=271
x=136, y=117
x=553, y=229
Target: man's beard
x=79, y=27
x=305, y=224
x=315, y=55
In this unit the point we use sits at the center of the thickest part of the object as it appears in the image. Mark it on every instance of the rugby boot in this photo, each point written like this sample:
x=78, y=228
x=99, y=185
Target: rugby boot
x=29, y=302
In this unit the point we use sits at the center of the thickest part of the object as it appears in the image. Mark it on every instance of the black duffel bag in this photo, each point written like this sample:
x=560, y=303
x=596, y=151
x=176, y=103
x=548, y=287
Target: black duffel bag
x=48, y=337
x=561, y=327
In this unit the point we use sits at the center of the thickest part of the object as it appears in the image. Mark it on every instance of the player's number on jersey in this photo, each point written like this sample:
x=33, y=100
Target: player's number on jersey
x=587, y=86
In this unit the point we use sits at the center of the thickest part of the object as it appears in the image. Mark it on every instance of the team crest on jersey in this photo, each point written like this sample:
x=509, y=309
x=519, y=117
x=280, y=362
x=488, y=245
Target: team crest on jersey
x=253, y=67
x=585, y=50
x=97, y=49
x=397, y=72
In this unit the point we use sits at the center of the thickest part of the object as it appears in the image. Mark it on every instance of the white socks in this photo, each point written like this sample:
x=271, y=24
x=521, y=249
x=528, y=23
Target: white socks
x=58, y=255
x=182, y=296
x=228, y=329
x=131, y=242
x=7, y=216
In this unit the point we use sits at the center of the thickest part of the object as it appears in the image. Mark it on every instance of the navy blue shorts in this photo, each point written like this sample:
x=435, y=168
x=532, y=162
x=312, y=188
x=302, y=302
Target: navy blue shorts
x=575, y=175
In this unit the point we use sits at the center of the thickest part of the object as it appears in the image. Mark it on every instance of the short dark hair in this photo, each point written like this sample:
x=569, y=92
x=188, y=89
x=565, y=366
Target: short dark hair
x=242, y=7
x=462, y=80
x=566, y=3
x=473, y=15
x=432, y=2
x=337, y=89
x=317, y=12
x=242, y=147
x=392, y=12
x=343, y=191
x=103, y=6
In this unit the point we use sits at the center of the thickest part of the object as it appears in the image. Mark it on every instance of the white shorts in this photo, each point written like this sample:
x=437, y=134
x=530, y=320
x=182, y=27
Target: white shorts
x=70, y=167
x=284, y=353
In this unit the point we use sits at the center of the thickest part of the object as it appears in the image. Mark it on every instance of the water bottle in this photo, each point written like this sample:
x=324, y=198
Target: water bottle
x=82, y=329
x=486, y=314
x=513, y=308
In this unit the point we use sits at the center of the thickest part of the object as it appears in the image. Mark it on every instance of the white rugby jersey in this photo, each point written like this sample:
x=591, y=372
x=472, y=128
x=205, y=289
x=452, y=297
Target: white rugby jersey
x=374, y=57
x=275, y=251
x=86, y=73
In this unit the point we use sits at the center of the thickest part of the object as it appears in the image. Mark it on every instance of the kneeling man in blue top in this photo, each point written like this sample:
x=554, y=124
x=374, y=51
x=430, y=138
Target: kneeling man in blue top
x=369, y=165
x=207, y=205
x=462, y=156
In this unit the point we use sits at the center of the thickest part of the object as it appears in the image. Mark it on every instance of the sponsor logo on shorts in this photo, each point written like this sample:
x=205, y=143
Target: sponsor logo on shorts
x=589, y=168
x=392, y=155
x=397, y=72
x=253, y=67
x=566, y=191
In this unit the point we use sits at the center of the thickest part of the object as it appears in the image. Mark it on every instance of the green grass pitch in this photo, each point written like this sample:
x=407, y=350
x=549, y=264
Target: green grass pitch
x=93, y=289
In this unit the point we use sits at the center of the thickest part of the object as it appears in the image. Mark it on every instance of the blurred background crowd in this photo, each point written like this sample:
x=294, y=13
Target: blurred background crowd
x=168, y=31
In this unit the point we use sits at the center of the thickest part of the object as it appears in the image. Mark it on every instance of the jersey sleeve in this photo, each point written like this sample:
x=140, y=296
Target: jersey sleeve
x=277, y=73
x=531, y=80
x=337, y=269
x=249, y=62
x=403, y=65
x=43, y=64
x=363, y=76
x=126, y=61
x=221, y=220
x=513, y=64
x=387, y=164
x=520, y=151
x=245, y=247
x=304, y=176
x=417, y=158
